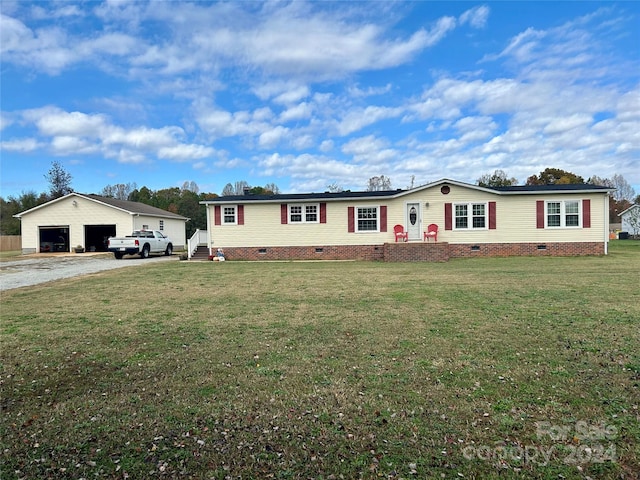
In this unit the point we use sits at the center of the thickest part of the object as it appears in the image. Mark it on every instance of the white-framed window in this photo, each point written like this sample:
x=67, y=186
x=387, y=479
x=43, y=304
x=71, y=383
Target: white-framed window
x=367, y=219
x=563, y=214
x=301, y=213
x=471, y=216
x=161, y=227
x=229, y=215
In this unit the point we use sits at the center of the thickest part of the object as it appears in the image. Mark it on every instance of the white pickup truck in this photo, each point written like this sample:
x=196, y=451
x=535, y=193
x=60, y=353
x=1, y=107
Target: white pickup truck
x=140, y=242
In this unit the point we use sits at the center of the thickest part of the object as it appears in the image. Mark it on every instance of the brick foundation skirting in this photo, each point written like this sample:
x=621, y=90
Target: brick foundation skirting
x=333, y=252
x=526, y=249
x=414, y=251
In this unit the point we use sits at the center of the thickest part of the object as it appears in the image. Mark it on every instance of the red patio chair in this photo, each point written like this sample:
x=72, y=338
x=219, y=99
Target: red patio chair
x=432, y=232
x=399, y=232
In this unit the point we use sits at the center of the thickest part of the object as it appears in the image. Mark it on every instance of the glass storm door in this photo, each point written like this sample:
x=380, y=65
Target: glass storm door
x=413, y=221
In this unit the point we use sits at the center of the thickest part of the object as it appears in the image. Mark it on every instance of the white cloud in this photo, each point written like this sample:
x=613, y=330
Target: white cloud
x=302, y=141
x=62, y=11
x=295, y=41
x=475, y=129
x=309, y=171
x=356, y=92
x=271, y=138
x=359, y=118
x=297, y=112
x=127, y=156
x=364, y=145
x=77, y=133
x=142, y=138
x=564, y=124
x=24, y=145
x=286, y=91
x=67, y=145
x=553, y=95
x=476, y=17
x=110, y=43
x=52, y=121
x=53, y=49
x=13, y=34
x=326, y=146
x=5, y=120
x=221, y=123
x=369, y=150
x=292, y=95
x=184, y=152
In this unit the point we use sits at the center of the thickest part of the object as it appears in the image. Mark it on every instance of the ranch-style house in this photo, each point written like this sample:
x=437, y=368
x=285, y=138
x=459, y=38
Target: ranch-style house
x=470, y=221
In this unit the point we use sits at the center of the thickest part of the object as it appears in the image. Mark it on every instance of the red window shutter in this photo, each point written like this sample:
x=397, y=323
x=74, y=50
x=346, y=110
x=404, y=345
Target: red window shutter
x=540, y=214
x=492, y=215
x=217, y=214
x=586, y=213
x=323, y=213
x=284, y=214
x=240, y=214
x=448, y=223
x=383, y=218
x=351, y=225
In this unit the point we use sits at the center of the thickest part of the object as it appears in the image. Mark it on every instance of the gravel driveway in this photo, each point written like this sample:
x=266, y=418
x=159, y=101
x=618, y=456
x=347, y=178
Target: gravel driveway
x=32, y=271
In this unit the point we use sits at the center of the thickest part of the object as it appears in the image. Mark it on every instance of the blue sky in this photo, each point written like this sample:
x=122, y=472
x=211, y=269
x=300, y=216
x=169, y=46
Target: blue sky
x=311, y=94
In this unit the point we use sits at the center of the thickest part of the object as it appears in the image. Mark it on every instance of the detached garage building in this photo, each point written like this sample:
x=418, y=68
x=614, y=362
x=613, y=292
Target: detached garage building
x=89, y=220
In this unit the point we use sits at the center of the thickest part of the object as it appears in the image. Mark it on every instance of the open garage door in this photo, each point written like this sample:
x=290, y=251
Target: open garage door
x=54, y=239
x=96, y=236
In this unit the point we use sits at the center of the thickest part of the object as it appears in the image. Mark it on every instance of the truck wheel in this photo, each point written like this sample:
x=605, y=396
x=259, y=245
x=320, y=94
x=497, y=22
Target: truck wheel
x=117, y=255
x=169, y=250
x=145, y=252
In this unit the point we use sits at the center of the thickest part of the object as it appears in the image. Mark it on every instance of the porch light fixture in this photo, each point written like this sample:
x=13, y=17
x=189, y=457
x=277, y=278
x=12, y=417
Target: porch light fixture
x=74, y=203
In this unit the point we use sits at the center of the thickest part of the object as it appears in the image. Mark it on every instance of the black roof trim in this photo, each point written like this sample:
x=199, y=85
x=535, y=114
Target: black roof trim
x=552, y=188
x=303, y=196
x=329, y=196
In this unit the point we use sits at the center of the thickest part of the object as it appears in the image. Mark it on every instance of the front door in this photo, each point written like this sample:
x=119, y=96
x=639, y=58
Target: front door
x=413, y=221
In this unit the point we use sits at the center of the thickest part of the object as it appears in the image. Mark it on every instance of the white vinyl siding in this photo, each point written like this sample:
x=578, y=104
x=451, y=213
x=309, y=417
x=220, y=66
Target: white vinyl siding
x=75, y=212
x=515, y=214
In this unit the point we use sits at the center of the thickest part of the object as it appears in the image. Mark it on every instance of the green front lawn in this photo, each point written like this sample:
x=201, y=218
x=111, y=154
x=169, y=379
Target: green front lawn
x=474, y=368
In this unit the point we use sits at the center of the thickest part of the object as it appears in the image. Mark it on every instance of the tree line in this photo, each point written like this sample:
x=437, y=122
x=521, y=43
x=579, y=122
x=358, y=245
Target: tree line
x=619, y=200
x=183, y=200
x=186, y=200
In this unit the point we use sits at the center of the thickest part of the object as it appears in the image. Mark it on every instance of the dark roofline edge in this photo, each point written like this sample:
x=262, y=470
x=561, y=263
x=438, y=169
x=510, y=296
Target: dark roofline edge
x=365, y=195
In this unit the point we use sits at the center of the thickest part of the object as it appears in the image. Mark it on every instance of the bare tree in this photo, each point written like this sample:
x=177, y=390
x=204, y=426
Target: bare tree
x=379, y=183
x=191, y=187
x=119, y=191
x=227, y=190
x=633, y=219
x=334, y=188
x=624, y=191
x=235, y=189
x=273, y=188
